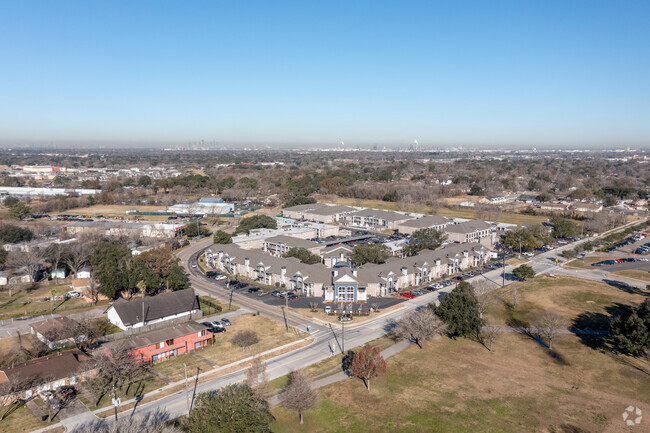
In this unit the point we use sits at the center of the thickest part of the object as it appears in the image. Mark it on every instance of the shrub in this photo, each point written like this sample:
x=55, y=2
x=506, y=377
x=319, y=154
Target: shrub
x=245, y=338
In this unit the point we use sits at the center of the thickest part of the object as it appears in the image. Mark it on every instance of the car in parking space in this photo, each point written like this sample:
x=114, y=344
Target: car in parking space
x=211, y=274
x=253, y=289
x=220, y=277
x=417, y=292
x=446, y=283
x=619, y=260
x=327, y=309
x=226, y=322
x=208, y=324
x=642, y=260
x=408, y=295
x=217, y=327
x=275, y=293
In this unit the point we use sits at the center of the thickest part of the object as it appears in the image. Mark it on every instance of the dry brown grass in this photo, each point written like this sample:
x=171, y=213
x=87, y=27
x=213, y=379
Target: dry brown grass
x=636, y=274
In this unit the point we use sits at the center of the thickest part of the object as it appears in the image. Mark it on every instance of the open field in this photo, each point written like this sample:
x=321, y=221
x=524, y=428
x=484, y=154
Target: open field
x=587, y=304
x=506, y=217
x=28, y=303
x=459, y=386
x=112, y=209
x=636, y=274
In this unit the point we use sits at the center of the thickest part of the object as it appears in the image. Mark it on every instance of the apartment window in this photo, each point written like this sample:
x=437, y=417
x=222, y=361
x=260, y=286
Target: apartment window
x=154, y=358
x=198, y=345
x=169, y=342
x=202, y=333
x=160, y=345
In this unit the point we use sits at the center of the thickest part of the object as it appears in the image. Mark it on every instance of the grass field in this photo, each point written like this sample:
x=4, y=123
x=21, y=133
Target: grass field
x=572, y=297
x=28, y=303
x=459, y=386
x=636, y=274
x=586, y=263
x=506, y=217
x=22, y=420
x=271, y=334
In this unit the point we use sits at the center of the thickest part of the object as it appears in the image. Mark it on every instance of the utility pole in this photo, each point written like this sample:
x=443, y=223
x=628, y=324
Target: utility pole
x=187, y=396
x=342, y=325
x=231, y=292
x=115, y=402
x=503, y=272
x=519, y=247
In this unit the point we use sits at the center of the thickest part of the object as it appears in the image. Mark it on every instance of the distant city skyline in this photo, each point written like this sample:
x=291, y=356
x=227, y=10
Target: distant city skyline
x=306, y=74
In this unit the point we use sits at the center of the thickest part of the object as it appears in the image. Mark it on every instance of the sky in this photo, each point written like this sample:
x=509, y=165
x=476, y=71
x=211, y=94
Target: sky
x=473, y=73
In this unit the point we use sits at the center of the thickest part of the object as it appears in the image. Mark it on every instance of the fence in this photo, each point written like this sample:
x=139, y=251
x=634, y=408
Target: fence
x=152, y=326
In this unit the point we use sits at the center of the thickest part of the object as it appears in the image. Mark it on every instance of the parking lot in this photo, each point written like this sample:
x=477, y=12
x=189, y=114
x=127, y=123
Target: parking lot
x=613, y=265
x=632, y=244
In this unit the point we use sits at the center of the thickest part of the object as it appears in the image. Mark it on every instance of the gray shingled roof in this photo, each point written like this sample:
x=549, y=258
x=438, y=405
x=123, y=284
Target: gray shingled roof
x=156, y=307
x=292, y=242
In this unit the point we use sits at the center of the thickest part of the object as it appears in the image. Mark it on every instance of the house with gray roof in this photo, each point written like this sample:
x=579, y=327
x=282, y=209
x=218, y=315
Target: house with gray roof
x=153, y=309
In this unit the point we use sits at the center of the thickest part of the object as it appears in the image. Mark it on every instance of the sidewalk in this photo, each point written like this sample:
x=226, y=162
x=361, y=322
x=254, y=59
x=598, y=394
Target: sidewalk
x=338, y=377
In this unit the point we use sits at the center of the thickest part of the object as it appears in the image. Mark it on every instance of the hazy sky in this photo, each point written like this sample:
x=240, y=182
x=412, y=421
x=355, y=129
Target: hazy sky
x=484, y=73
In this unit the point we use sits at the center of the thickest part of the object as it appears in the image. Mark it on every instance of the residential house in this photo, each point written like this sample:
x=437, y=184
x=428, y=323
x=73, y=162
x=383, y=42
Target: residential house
x=164, y=343
x=84, y=272
x=495, y=199
x=471, y=231
x=59, y=273
x=428, y=222
x=48, y=372
x=59, y=332
x=153, y=309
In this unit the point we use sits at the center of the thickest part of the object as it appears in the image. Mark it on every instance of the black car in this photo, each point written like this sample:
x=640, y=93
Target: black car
x=275, y=293
x=211, y=274
x=253, y=289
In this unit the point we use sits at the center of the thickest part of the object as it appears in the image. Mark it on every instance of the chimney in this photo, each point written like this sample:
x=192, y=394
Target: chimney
x=466, y=253
x=354, y=272
x=437, y=262
x=247, y=262
x=404, y=271
x=283, y=271
x=335, y=272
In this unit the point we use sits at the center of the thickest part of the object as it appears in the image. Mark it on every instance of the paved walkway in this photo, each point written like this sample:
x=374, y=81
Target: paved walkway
x=340, y=376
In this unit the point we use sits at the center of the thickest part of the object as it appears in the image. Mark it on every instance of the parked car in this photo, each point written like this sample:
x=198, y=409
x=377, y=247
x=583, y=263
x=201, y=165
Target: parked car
x=73, y=294
x=327, y=309
x=408, y=295
x=211, y=274
x=220, y=277
x=207, y=324
x=417, y=292
x=253, y=289
x=642, y=260
x=275, y=293
x=226, y=322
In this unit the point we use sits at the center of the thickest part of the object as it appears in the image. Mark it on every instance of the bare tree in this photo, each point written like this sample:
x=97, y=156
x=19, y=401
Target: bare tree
x=368, y=364
x=298, y=394
x=93, y=291
x=549, y=325
x=157, y=423
x=313, y=306
x=515, y=298
x=245, y=338
x=419, y=326
x=484, y=295
x=12, y=392
x=30, y=260
x=257, y=378
x=489, y=334
x=55, y=253
x=117, y=368
x=77, y=255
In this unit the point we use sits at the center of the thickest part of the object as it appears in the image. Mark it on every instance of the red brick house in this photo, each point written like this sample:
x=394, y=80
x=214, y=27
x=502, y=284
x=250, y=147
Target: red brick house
x=165, y=343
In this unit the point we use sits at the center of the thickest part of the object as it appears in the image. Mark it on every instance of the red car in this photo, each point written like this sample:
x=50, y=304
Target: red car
x=619, y=261
x=408, y=295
